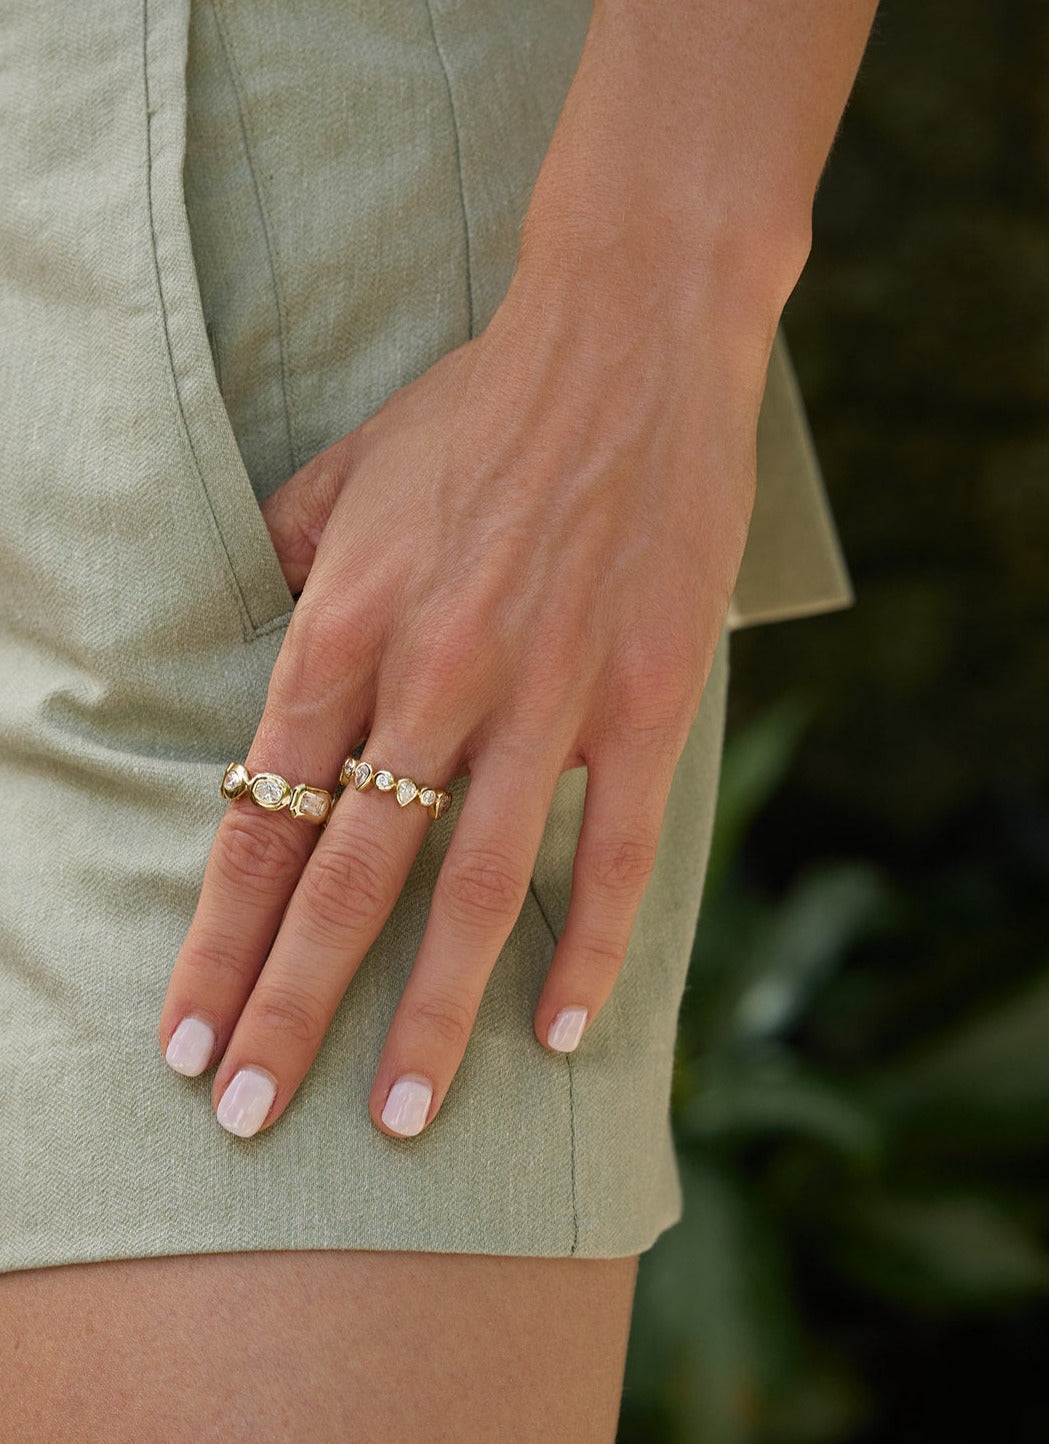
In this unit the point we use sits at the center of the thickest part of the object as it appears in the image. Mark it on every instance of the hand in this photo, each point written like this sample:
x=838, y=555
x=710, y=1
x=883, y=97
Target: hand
x=520, y=564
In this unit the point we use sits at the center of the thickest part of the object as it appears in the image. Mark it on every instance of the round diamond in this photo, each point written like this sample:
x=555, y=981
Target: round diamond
x=427, y=796
x=385, y=781
x=406, y=791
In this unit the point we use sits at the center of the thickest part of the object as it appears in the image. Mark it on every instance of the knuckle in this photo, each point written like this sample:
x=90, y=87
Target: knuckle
x=442, y=1013
x=654, y=693
x=598, y=957
x=218, y=962
x=257, y=849
x=344, y=889
x=427, y=682
x=481, y=884
x=285, y=1013
x=321, y=635
x=622, y=864
x=298, y=510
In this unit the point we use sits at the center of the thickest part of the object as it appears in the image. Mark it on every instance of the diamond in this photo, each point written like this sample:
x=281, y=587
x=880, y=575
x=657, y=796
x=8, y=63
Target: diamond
x=312, y=803
x=270, y=791
x=442, y=804
x=385, y=781
x=406, y=791
x=348, y=769
x=362, y=775
x=236, y=780
x=428, y=796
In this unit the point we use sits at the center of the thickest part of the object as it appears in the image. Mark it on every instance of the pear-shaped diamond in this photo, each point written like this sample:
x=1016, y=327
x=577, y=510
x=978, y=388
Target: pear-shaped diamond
x=406, y=791
x=362, y=775
x=236, y=781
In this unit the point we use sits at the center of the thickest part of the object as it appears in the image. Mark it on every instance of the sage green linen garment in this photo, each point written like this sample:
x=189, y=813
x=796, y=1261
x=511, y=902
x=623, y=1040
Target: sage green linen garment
x=176, y=342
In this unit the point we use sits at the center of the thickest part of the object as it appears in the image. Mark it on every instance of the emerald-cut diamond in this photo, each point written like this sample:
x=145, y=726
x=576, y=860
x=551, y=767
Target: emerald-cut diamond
x=311, y=803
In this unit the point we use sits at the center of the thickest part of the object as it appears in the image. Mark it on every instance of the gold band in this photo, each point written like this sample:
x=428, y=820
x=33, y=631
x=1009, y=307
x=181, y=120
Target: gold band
x=272, y=793
x=363, y=775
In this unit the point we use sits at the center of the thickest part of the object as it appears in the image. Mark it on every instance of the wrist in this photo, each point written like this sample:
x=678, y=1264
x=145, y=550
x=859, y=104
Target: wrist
x=724, y=282
x=680, y=177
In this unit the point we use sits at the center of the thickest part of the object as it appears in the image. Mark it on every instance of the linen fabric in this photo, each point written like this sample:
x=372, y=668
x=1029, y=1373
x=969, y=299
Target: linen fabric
x=227, y=232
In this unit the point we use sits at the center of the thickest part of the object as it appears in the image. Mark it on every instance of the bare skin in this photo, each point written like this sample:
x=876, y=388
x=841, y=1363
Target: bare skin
x=573, y=488
x=278, y=1348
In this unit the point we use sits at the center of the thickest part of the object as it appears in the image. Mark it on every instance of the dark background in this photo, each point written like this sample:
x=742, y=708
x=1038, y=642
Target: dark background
x=862, y=1097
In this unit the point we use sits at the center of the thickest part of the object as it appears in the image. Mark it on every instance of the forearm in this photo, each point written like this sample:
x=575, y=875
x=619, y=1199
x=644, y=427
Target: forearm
x=689, y=151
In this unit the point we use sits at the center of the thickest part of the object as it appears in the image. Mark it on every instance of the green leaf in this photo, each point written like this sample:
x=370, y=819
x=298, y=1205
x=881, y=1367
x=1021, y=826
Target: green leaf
x=992, y=1071
x=772, y=1092
x=826, y=912
x=755, y=762
x=939, y=1253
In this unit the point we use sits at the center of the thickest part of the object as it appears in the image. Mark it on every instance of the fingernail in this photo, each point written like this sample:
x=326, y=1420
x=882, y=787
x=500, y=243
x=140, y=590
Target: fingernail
x=567, y=1029
x=191, y=1046
x=407, y=1106
x=246, y=1101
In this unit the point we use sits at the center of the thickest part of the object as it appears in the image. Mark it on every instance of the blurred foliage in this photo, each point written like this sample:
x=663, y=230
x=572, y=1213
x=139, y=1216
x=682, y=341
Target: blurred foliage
x=832, y=1193
x=861, y=1100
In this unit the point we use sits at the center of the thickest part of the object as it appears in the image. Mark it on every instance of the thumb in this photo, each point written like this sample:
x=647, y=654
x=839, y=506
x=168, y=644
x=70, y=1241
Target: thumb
x=298, y=511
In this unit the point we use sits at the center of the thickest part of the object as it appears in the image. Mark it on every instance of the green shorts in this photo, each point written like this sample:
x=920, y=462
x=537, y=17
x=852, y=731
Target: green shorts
x=178, y=339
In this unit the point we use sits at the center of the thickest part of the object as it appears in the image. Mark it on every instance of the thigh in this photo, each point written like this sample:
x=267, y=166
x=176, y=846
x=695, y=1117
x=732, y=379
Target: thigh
x=318, y=1346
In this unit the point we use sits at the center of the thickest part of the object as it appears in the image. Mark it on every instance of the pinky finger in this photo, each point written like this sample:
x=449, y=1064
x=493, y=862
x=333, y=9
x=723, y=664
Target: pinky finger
x=614, y=859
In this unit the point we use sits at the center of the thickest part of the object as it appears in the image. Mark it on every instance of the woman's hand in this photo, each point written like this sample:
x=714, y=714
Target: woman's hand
x=521, y=563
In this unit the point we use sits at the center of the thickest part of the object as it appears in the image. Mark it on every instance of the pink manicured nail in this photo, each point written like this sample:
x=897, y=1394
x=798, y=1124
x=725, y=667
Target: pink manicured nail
x=243, y=1107
x=567, y=1029
x=191, y=1047
x=407, y=1106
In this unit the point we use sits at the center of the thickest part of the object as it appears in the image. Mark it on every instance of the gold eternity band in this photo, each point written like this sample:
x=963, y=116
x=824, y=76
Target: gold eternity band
x=271, y=792
x=363, y=775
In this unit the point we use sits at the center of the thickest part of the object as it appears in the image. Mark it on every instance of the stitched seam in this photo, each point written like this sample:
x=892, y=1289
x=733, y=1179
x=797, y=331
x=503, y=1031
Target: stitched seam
x=571, y=1086
x=232, y=579
x=270, y=244
x=571, y=1111
x=459, y=169
x=542, y=910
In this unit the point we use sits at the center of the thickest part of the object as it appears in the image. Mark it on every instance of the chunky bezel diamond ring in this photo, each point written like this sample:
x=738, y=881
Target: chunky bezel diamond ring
x=272, y=793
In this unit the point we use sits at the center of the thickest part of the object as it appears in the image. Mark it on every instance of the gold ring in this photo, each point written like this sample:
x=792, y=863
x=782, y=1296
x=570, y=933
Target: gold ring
x=272, y=793
x=363, y=775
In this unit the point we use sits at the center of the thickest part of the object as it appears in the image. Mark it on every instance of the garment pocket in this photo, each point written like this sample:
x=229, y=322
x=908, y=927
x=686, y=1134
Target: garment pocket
x=241, y=543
